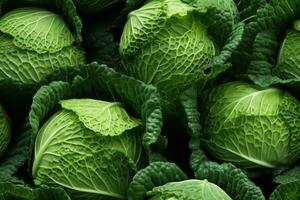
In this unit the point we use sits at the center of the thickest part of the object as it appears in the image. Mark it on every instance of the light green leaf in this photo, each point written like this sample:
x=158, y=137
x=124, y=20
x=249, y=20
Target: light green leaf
x=105, y=118
x=188, y=190
x=142, y=26
x=65, y=7
x=29, y=67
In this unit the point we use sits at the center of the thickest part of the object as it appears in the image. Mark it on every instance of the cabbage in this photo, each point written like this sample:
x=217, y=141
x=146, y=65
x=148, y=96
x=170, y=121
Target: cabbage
x=250, y=126
x=91, y=148
x=34, y=42
x=172, y=44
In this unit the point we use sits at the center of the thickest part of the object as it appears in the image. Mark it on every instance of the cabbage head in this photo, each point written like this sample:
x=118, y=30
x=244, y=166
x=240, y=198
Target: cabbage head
x=33, y=43
x=5, y=131
x=288, y=64
x=167, y=43
x=89, y=147
x=188, y=190
x=250, y=126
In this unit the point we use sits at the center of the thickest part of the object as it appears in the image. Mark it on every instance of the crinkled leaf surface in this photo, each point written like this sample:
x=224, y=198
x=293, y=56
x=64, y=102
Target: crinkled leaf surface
x=27, y=67
x=98, y=81
x=102, y=117
x=70, y=155
x=251, y=126
x=37, y=30
x=65, y=7
x=142, y=26
x=189, y=102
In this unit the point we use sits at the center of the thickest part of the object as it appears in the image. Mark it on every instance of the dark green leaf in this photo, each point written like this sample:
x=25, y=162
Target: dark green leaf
x=21, y=192
x=289, y=191
x=231, y=179
x=156, y=174
x=288, y=176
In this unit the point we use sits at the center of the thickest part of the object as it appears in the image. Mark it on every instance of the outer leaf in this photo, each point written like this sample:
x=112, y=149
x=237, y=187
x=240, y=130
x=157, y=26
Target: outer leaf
x=288, y=176
x=231, y=179
x=16, y=156
x=275, y=15
x=16, y=191
x=290, y=191
x=5, y=130
x=190, y=105
x=247, y=9
x=231, y=44
x=264, y=58
x=218, y=16
x=156, y=174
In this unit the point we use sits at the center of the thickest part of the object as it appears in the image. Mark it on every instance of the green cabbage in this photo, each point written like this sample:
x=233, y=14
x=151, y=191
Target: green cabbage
x=251, y=126
x=33, y=43
x=91, y=148
x=172, y=44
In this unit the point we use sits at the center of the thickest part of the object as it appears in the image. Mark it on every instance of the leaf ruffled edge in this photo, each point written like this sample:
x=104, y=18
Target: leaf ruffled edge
x=272, y=16
x=247, y=8
x=231, y=179
x=16, y=155
x=156, y=174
